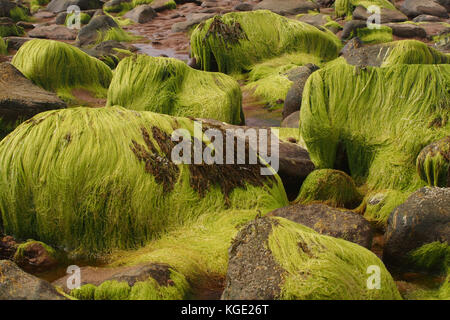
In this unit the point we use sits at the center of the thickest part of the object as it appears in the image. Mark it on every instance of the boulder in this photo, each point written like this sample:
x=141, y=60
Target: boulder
x=141, y=14
x=9, y=28
x=35, y=257
x=192, y=20
x=358, y=55
x=55, y=32
x=287, y=7
x=422, y=219
x=293, y=99
x=8, y=247
x=338, y=223
x=426, y=18
x=106, y=51
x=316, y=20
x=350, y=28
x=407, y=30
x=57, y=6
x=292, y=120
x=15, y=43
x=5, y=7
x=387, y=15
x=16, y=284
x=243, y=6
x=161, y=5
x=414, y=8
x=115, y=5
x=89, y=33
x=20, y=99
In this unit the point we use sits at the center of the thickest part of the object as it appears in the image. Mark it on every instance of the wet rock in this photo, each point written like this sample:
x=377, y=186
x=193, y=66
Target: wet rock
x=358, y=55
x=25, y=25
x=433, y=162
x=292, y=120
x=293, y=98
x=16, y=284
x=114, y=5
x=422, y=219
x=159, y=5
x=8, y=247
x=105, y=51
x=287, y=7
x=426, y=18
x=350, y=28
x=252, y=271
x=20, y=99
x=57, y=6
x=96, y=276
x=15, y=43
x=407, y=30
x=244, y=6
x=338, y=223
x=141, y=14
x=90, y=32
x=387, y=15
x=191, y=21
x=55, y=32
x=316, y=20
x=35, y=257
x=414, y=8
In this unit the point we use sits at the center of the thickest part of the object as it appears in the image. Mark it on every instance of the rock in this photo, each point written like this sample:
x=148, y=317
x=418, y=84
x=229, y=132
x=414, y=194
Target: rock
x=414, y=8
x=15, y=43
x=25, y=25
x=444, y=3
x=191, y=21
x=8, y=247
x=20, y=99
x=422, y=219
x=243, y=6
x=90, y=32
x=160, y=5
x=141, y=14
x=43, y=15
x=293, y=99
x=433, y=162
x=292, y=120
x=426, y=18
x=358, y=55
x=106, y=49
x=15, y=284
x=338, y=223
x=249, y=251
x=5, y=7
x=350, y=28
x=387, y=15
x=61, y=18
x=55, y=32
x=114, y=5
x=57, y=6
x=35, y=257
x=96, y=276
x=316, y=20
x=407, y=30
x=287, y=7
x=436, y=29
x=8, y=28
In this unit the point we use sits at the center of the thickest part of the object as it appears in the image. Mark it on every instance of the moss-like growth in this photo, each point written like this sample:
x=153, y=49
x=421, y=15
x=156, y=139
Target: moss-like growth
x=96, y=179
x=235, y=42
x=35, y=5
x=3, y=47
x=85, y=292
x=433, y=162
x=117, y=34
x=169, y=86
x=320, y=267
x=19, y=14
x=348, y=107
x=413, y=52
x=433, y=256
x=24, y=246
x=7, y=30
x=346, y=7
x=376, y=35
x=60, y=67
x=112, y=290
x=332, y=187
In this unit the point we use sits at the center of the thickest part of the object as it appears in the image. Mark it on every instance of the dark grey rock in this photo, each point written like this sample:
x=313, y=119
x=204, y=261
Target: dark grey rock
x=287, y=7
x=414, y=8
x=141, y=14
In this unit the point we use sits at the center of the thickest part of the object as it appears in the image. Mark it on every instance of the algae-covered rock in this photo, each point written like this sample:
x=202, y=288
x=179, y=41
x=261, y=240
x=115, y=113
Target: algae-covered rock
x=9, y=28
x=96, y=179
x=332, y=187
x=57, y=6
x=35, y=256
x=338, y=223
x=60, y=67
x=18, y=285
x=99, y=29
x=169, y=86
x=433, y=162
x=236, y=41
x=423, y=219
x=348, y=8
x=141, y=14
x=402, y=102
x=274, y=258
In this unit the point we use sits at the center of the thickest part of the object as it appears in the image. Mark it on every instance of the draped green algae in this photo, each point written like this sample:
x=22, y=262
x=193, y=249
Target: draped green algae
x=378, y=118
x=97, y=179
x=433, y=163
x=321, y=267
x=413, y=52
x=169, y=86
x=346, y=7
x=375, y=35
x=60, y=67
x=3, y=47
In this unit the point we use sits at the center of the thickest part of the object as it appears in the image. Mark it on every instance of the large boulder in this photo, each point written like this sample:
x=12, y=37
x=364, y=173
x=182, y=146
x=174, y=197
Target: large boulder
x=56, y=32
x=15, y=284
x=91, y=33
x=293, y=99
x=287, y=7
x=414, y=8
x=57, y=6
x=387, y=15
x=35, y=257
x=338, y=223
x=191, y=20
x=141, y=14
x=407, y=30
x=422, y=219
x=274, y=258
x=20, y=99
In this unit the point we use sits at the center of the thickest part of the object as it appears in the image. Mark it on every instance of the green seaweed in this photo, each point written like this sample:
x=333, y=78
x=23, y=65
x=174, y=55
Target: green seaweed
x=434, y=256
x=346, y=7
x=413, y=52
x=375, y=35
x=3, y=46
x=433, y=162
x=60, y=67
x=11, y=30
x=169, y=86
x=19, y=14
